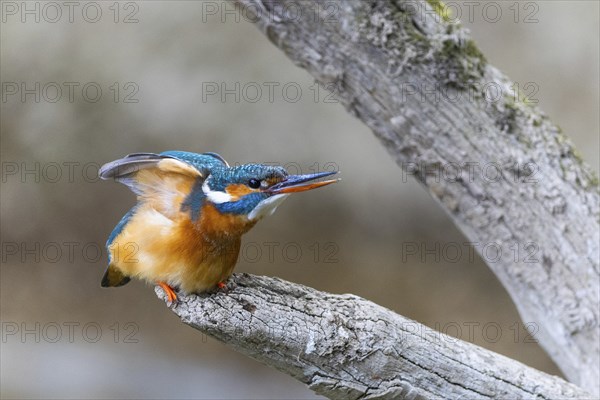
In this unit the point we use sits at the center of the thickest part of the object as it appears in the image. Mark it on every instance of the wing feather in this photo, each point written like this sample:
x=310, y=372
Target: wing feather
x=162, y=180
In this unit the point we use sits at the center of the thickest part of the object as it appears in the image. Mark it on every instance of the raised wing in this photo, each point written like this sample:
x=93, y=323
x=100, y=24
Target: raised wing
x=162, y=180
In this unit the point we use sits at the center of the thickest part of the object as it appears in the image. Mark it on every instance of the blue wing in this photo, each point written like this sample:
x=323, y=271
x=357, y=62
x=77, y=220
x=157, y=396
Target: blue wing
x=119, y=228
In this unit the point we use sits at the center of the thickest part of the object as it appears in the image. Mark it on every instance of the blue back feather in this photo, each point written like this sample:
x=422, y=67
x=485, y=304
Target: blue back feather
x=202, y=162
x=193, y=202
x=119, y=228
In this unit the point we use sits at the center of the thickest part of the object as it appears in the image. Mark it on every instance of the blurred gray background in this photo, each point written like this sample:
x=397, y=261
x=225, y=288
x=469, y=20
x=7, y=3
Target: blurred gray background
x=65, y=337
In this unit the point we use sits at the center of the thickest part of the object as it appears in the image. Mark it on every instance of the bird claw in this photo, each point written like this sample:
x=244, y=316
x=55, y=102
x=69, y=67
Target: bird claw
x=222, y=287
x=172, y=299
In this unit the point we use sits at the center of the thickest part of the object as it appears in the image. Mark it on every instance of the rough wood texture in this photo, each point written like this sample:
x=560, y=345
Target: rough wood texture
x=345, y=347
x=506, y=175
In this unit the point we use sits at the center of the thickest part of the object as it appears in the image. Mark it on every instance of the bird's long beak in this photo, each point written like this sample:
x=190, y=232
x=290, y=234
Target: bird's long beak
x=301, y=183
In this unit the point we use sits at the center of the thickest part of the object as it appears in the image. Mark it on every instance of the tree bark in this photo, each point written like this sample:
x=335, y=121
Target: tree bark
x=345, y=347
x=508, y=177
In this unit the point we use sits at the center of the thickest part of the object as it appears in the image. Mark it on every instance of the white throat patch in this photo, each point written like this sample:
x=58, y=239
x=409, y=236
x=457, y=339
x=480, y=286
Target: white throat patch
x=214, y=196
x=267, y=207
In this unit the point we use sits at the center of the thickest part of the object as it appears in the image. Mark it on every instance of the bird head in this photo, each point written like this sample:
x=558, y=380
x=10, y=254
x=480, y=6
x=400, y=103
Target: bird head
x=255, y=190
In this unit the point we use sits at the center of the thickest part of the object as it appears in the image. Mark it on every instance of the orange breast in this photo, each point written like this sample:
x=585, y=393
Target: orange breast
x=194, y=256
x=217, y=225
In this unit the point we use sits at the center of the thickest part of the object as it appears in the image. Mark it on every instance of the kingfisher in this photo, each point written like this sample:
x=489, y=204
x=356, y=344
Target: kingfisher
x=192, y=210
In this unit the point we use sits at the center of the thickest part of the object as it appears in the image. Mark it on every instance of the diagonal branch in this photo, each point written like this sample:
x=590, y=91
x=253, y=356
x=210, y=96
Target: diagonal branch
x=345, y=347
x=506, y=175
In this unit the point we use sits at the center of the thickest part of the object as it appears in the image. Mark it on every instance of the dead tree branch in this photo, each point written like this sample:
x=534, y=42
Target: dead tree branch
x=345, y=347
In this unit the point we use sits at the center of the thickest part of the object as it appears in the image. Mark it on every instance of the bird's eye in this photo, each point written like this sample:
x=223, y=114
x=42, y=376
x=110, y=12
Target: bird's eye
x=254, y=183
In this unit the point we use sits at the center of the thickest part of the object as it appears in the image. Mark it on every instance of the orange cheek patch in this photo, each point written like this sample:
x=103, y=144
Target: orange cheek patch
x=238, y=190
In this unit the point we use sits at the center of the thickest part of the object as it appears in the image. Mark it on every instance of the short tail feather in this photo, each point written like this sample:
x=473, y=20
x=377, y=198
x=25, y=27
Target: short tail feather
x=113, y=277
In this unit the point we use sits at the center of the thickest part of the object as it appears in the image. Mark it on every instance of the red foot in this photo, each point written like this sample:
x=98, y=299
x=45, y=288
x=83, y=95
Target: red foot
x=221, y=285
x=171, y=295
